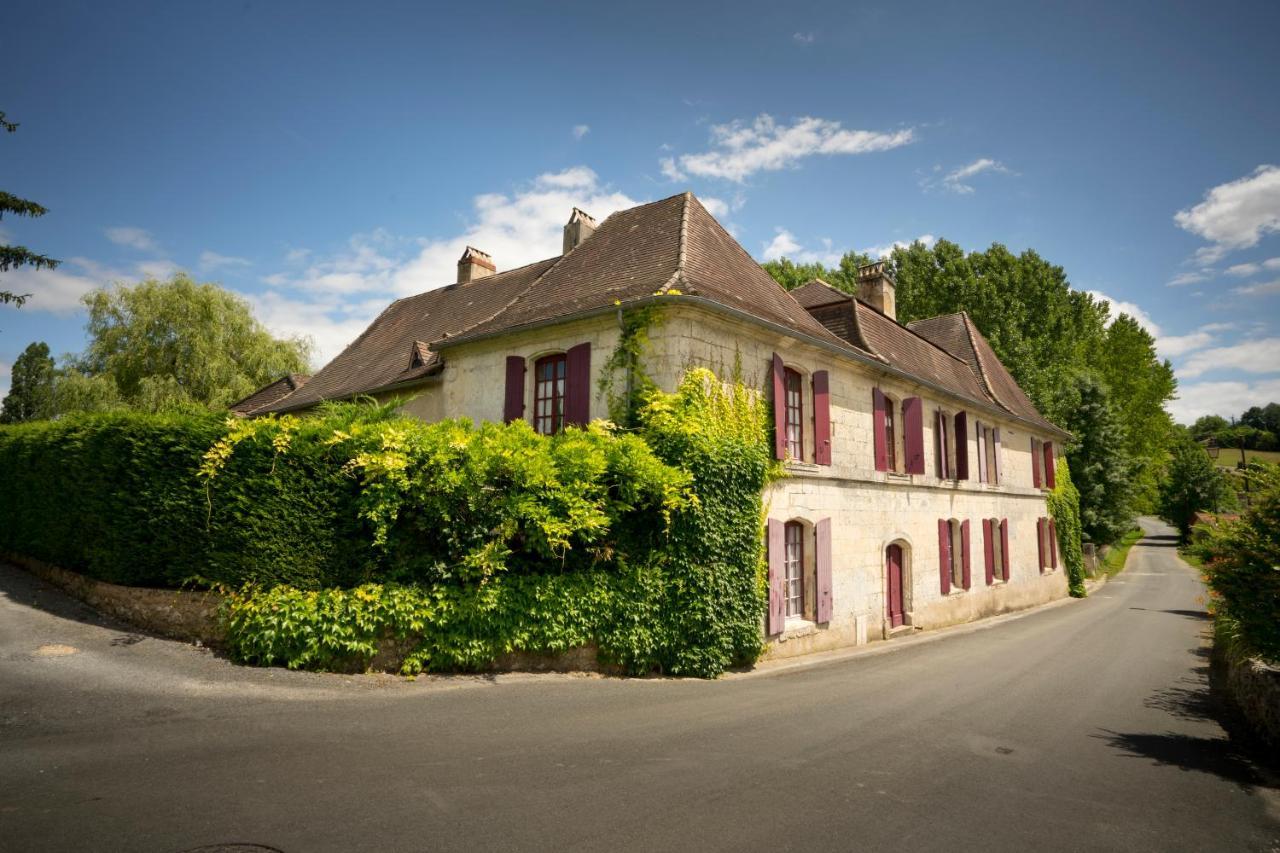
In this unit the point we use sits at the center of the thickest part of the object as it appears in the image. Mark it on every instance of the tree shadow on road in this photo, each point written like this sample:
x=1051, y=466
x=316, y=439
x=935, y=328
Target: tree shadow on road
x=1159, y=540
x=1190, y=614
x=25, y=589
x=1218, y=756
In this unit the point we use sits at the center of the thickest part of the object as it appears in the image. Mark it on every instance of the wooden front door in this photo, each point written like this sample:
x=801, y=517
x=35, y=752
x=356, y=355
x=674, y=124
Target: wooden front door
x=893, y=559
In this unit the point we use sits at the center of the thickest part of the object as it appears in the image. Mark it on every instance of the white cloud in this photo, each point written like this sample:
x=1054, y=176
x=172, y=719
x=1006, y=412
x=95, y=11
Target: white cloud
x=581, y=130
x=715, y=206
x=1173, y=346
x=296, y=256
x=783, y=244
x=740, y=149
x=1235, y=215
x=803, y=39
x=160, y=269
x=956, y=180
x=60, y=290
x=1261, y=355
x=1221, y=398
x=333, y=298
x=1184, y=278
x=1119, y=306
x=1265, y=288
x=210, y=260
x=877, y=252
x=134, y=238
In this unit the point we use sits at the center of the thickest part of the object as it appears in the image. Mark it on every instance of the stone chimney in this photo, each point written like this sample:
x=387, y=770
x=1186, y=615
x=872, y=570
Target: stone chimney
x=876, y=288
x=579, y=228
x=474, y=264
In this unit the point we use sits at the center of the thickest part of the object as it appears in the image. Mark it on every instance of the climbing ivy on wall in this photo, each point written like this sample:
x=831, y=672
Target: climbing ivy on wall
x=623, y=380
x=1064, y=506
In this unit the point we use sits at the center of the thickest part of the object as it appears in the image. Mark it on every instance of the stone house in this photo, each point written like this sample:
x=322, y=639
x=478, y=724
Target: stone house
x=917, y=466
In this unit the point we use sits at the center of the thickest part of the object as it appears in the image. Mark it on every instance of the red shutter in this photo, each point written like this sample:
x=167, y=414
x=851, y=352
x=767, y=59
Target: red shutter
x=822, y=568
x=1050, y=475
x=1004, y=548
x=989, y=550
x=878, y=404
x=821, y=418
x=944, y=554
x=777, y=618
x=964, y=552
x=1036, y=456
x=981, y=442
x=913, y=435
x=1040, y=541
x=995, y=436
x=513, y=404
x=939, y=442
x=1053, y=545
x=779, y=409
x=577, y=385
x=962, y=445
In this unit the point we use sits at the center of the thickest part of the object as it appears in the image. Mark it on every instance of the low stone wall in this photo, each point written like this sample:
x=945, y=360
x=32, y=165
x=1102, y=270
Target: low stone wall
x=179, y=614
x=1254, y=689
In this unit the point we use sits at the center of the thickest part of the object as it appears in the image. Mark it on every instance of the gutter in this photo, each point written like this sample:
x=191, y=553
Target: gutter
x=744, y=316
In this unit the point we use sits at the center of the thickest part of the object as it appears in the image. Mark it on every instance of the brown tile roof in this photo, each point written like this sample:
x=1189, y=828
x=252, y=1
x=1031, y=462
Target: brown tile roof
x=957, y=334
x=269, y=393
x=913, y=354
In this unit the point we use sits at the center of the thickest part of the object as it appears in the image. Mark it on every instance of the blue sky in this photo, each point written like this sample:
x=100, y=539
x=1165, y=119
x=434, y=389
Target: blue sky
x=323, y=159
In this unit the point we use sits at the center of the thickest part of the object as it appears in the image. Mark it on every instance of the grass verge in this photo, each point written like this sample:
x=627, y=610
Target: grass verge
x=1113, y=562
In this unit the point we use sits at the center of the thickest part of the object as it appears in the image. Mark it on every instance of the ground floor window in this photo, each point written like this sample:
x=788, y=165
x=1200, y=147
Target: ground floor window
x=957, y=555
x=793, y=564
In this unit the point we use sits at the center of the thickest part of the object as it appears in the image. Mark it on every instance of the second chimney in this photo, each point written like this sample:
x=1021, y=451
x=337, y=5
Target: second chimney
x=876, y=288
x=474, y=264
x=580, y=227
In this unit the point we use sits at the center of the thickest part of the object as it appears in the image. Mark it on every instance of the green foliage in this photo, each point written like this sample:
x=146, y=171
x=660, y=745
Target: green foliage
x=625, y=365
x=1241, y=565
x=459, y=543
x=1191, y=485
x=13, y=257
x=1064, y=506
x=1100, y=467
x=174, y=343
x=842, y=277
x=30, y=394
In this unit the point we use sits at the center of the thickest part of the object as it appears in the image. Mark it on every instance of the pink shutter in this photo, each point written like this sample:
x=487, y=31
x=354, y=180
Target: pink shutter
x=995, y=474
x=777, y=618
x=944, y=554
x=939, y=445
x=821, y=418
x=962, y=445
x=513, y=404
x=1004, y=549
x=913, y=435
x=981, y=440
x=1050, y=475
x=577, y=385
x=1053, y=545
x=779, y=409
x=964, y=553
x=1036, y=457
x=822, y=568
x=989, y=550
x=878, y=404
x=1040, y=541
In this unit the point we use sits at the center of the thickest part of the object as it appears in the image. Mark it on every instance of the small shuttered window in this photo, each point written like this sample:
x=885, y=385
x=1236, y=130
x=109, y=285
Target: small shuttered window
x=548, y=394
x=793, y=565
x=794, y=386
x=890, y=436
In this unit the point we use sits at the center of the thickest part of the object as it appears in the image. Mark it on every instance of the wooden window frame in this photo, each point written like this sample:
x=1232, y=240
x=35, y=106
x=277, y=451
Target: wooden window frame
x=891, y=454
x=957, y=554
x=793, y=405
x=793, y=569
x=550, y=391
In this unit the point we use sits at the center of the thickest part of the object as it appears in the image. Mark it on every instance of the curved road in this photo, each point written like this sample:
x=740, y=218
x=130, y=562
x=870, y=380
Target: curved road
x=1084, y=726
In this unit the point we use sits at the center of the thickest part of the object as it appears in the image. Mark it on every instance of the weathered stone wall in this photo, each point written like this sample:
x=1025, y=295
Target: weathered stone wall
x=1253, y=687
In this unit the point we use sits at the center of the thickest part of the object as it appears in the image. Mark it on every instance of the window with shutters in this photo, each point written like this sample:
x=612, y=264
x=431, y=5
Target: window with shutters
x=997, y=550
x=1037, y=464
x=548, y=394
x=944, y=445
x=794, y=386
x=894, y=455
x=988, y=471
x=793, y=568
x=957, y=556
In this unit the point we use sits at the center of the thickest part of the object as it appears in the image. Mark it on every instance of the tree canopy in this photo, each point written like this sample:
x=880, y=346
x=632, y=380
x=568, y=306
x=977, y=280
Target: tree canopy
x=1191, y=485
x=12, y=257
x=30, y=394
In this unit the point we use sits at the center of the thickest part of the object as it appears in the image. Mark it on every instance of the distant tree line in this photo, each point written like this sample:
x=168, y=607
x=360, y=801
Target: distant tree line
x=1096, y=375
x=1257, y=429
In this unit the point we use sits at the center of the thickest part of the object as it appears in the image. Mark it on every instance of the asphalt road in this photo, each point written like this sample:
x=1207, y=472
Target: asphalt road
x=1083, y=726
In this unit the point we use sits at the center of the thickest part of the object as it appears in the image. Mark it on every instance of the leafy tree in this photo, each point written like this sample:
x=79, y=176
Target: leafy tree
x=158, y=345
x=1208, y=426
x=12, y=257
x=1191, y=484
x=1100, y=468
x=1265, y=418
x=843, y=277
x=73, y=391
x=31, y=387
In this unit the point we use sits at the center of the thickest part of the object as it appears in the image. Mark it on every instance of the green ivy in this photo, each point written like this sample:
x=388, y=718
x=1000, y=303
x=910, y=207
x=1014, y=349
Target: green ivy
x=1064, y=506
x=625, y=365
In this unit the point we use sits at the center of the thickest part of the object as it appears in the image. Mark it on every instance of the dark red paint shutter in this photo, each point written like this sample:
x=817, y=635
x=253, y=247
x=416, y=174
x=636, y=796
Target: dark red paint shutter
x=962, y=445
x=822, y=568
x=939, y=442
x=1036, y=456
x=964, y=553
x=1004, y=548
x=989, y=550
x=1050, y=475
x=1053, y=545
x=877, y=428
x=944, y=554
x=777, y=618
x=821, y=418
x=779, y=409
x=577, y=385
x=980, y=441
x=913, y=436
x=513, y=404
x=1040, y=541
x=995, y=436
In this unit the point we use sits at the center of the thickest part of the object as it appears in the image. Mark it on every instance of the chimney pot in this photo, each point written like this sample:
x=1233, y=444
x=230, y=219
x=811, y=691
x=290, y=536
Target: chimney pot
x=474, y=264
x=876, y=288
x=581, y=225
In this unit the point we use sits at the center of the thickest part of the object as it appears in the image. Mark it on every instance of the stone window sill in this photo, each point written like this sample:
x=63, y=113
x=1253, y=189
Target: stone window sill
x=796, y=628
x=799, y=467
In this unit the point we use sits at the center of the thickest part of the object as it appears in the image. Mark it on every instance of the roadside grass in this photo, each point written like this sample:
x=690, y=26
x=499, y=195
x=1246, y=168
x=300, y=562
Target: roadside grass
x=1229, y=457
x=1113, y=562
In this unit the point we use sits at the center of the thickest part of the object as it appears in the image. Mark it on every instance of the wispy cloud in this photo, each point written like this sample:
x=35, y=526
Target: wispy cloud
x=740, y=149
x=886, y=250
x=210, y=261
x=134, y=238
x=958, y=179
x=785, y=245
x=1264, y=288
x=1119, y=306
x=1184, y=278
x=1244, y=270
x=1235, y=215
x=581, y=130
x=1221, y=398
x=1261, y=355
x=803, y=39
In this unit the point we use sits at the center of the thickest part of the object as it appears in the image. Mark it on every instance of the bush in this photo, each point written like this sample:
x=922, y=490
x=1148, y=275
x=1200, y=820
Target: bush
x=1064, y=506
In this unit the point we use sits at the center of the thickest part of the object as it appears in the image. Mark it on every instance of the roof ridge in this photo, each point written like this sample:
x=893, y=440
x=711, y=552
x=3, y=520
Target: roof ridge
x=512, y=300
x=934, y=344
x=682, y=253
x=969, y=329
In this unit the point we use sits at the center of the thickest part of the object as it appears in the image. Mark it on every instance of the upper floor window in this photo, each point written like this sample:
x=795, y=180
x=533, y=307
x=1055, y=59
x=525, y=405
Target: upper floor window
x=795, y=413
x=944, y=446
x=548, y=394
x=793, y=565
x=988, y=438
x=890, y=434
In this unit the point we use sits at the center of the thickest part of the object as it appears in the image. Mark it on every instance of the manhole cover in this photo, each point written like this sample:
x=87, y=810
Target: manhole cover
x=54, y=650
